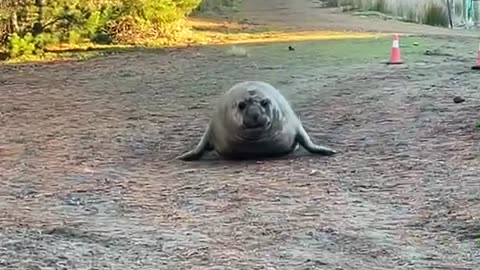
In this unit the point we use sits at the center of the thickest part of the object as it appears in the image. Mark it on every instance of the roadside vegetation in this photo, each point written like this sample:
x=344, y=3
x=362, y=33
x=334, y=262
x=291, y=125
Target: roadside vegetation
x=40, y=29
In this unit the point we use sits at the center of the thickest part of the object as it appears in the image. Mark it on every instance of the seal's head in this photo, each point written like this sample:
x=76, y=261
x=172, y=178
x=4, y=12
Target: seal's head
x=253, y=113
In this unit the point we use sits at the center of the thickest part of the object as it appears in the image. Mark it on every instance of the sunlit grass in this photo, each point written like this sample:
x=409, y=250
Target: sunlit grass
x=198, y=32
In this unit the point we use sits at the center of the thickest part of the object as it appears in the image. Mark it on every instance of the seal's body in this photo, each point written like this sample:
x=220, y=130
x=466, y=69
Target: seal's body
x=253, y=119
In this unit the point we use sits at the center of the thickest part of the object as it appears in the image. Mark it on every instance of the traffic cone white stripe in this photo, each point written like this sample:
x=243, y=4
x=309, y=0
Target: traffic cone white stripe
x=396, y=44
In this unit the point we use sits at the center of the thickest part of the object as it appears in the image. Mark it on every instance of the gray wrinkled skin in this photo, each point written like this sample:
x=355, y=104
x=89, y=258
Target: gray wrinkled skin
x=253, y=120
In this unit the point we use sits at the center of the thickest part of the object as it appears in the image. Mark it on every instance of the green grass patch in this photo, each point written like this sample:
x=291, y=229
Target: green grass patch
x=311, y=53
x=311, y=60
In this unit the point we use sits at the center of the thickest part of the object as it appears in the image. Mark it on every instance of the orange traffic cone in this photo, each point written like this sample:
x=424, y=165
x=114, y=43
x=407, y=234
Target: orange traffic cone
x=477, y=65
x=395, y=56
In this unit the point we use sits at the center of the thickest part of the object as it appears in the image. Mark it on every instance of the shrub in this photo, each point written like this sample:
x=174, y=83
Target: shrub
x=156, y=17
x=216, y=6
x=28, y=45
x=98, y=21
x=86, y=21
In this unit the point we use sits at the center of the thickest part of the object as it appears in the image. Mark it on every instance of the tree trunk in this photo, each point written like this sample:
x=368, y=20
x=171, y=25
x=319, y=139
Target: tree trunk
x=38, y=25
x=14, y=22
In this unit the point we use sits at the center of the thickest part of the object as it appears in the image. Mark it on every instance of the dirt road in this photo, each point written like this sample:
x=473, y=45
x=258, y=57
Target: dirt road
x=88, y=180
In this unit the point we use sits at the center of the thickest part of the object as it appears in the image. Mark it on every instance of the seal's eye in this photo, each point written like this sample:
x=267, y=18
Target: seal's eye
x=242, y=105
x=264, y=102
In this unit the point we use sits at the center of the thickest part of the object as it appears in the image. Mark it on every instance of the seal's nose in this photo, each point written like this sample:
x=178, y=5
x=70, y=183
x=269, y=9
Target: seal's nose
x=254, y=117
x=261, y=119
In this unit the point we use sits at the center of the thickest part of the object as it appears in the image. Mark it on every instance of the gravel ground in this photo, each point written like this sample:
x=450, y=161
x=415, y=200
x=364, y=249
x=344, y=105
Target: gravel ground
x=89, y=180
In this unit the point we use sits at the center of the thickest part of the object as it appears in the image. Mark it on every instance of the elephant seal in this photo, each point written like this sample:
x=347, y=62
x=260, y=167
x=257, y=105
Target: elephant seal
x=253, y=119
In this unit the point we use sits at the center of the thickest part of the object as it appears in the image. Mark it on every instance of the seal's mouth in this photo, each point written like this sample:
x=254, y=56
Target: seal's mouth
x=257, y=126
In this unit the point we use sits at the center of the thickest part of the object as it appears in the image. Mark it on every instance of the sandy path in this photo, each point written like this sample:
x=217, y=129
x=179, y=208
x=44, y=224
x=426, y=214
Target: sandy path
x=88, y=180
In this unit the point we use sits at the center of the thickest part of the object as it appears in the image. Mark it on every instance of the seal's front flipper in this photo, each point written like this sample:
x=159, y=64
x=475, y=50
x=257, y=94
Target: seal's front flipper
x=200, y=149
x=191, y=155
x=305, y=141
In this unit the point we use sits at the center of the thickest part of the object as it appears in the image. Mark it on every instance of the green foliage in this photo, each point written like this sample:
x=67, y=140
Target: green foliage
x=75, y=36
x=21, y=45
x=28, y=45
x=158, y=15
x=96, y=21
x=72, y=21
x=217, y=6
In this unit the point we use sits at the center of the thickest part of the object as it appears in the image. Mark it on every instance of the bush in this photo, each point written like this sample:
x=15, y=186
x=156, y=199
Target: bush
x=216, y=6
x=28, y=45
x=97, y=21
x=150, y=19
